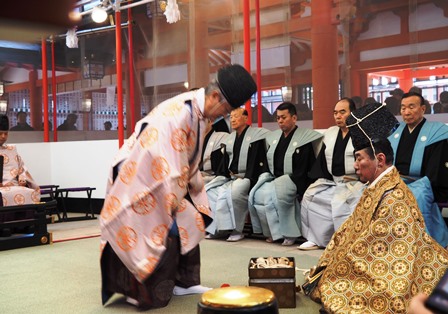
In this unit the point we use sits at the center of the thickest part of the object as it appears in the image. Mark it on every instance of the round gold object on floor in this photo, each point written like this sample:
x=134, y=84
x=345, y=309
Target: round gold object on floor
x=238, y=300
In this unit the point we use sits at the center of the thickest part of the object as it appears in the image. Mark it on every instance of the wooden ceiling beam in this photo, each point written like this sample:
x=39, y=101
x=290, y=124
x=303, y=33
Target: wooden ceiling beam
x=402, y=39
x=426, y=59
x=296, y=26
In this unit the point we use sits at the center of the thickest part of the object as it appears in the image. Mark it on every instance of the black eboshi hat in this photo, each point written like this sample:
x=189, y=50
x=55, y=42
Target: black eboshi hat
x=4, y=122
x=369, y=124
x=236, y=84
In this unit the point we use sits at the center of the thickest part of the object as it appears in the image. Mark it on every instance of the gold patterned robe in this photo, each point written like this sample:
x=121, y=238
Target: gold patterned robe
x=381, y=256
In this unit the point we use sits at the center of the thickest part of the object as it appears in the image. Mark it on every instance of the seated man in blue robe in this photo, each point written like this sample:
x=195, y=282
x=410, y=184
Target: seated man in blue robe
x=421, y=157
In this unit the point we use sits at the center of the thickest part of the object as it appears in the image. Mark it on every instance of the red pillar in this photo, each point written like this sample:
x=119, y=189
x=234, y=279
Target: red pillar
x=45, y=90
x=325, y=69
x=119, y=78
x=405, y=81
x=53, y=89
x=35, y=101
x=131, y=106
x=246, y=40
x=258, y=49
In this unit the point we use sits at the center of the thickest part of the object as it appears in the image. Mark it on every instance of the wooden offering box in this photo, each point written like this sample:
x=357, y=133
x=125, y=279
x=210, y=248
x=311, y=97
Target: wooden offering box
x=277, y=274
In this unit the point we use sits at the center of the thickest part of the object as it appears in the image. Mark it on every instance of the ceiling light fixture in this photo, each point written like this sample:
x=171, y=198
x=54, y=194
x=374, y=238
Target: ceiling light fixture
x=3, y=106
x=99, y=14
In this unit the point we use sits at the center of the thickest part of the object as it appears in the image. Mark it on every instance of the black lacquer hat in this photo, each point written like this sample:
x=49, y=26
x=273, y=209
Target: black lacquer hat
x=369, y=124
x=236, y=84
x=4, y=123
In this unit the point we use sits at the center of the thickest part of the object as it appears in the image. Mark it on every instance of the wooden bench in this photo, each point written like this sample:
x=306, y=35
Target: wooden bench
x=63, y=194
x=49, y=193
x=37, y=225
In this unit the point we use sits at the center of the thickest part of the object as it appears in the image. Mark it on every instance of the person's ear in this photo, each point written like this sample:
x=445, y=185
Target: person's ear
x=216, y=95
x=381, y=160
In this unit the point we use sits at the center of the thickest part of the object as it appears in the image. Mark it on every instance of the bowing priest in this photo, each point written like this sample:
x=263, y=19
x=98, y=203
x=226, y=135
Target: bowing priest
x=156, y=209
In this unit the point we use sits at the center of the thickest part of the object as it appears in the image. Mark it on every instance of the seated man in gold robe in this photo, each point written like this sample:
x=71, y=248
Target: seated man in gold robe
x=382, y=255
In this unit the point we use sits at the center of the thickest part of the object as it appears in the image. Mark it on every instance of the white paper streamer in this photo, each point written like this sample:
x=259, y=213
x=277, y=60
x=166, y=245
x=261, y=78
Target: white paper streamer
x=172, y=12
x=71, y=40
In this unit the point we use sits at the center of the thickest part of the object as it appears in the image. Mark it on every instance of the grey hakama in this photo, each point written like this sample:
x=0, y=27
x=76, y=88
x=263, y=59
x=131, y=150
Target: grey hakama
x=273, y=201
x=326, y=204
x=228, y=195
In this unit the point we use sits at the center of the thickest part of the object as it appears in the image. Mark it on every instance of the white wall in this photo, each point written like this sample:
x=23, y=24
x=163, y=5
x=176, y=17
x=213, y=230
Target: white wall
x=70, y=164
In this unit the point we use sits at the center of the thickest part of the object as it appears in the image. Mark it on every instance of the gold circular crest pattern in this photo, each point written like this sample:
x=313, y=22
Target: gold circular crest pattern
x=378, y=303
x=360, y=285
x=400, y=229
x=399, y=285
x=360, y=267
x=179, y=140
x=380, y=285
x=128, y=171
x=398, y=193
x=380, y=228
x=159, y=234
x=143, y=203
x=111, y=206
x=398, y=305
x=358, y=302
x=399, y=210
x=35, y=196
x=367, y=203
x=182, y=181
x=399, y=248
x=379, y=248
x=337, y=302
x=160, y=168
x=148, y=137
x=341, y=285
x=342, y=268
x=379, y=267
x=126, y=238
x=171, y=203
x=428, y=273
x=19, y=199
x=360, y=248
x=359, y=225
x=427, y=255
x=400, y=267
